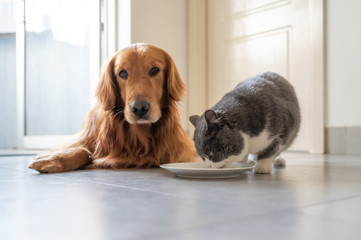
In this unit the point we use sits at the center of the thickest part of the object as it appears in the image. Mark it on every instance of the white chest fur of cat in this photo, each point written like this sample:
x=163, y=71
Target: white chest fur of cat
x=259, y=118
x=252, y=145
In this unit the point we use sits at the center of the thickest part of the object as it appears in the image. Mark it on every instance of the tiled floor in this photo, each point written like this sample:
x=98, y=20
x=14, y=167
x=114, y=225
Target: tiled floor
x=313, y=197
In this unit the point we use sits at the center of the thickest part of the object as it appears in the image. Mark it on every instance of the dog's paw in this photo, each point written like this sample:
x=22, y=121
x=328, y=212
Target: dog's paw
x=94, y=165
x=46, y=165
x=263, y=167
x=101, y=163
x=279, y=161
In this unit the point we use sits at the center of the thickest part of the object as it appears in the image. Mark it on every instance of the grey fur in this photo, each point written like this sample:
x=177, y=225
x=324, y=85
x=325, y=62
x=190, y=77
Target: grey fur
x=264, y=102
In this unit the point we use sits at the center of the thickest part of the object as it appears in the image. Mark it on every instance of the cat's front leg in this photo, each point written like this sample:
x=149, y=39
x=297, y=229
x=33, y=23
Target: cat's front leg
x=264, y=165
x=266, y=157
x=251, y=159
x=279, y=161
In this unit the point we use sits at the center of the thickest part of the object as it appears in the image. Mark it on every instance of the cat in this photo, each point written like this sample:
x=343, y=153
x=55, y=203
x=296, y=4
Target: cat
x=259, y=118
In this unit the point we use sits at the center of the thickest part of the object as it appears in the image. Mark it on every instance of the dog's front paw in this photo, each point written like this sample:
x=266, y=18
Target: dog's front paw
x=96, y=164
x=103, y=163
x=46, y=164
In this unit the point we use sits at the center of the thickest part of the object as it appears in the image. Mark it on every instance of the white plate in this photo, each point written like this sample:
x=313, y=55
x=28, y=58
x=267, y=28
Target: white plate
x=201, y=170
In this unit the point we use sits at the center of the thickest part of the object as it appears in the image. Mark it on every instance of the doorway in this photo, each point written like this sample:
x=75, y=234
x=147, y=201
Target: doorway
x=245, y=37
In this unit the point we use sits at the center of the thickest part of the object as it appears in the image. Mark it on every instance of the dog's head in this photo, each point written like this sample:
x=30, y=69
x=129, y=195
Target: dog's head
x=141, y=79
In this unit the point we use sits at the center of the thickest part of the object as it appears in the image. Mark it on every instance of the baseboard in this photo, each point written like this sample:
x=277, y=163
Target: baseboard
x=343, y=140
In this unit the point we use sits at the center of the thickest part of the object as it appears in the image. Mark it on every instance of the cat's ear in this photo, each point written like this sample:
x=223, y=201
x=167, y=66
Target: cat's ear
x=211, y=118
x=194, y=119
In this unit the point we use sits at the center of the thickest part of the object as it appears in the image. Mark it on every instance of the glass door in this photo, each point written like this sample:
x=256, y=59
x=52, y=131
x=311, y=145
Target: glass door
x=60, y=58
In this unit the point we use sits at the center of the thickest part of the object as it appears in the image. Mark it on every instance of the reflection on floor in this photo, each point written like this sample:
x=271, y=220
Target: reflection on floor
x=313, y=197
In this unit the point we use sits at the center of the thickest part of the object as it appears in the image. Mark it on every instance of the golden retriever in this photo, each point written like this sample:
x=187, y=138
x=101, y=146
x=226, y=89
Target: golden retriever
x=135, y=122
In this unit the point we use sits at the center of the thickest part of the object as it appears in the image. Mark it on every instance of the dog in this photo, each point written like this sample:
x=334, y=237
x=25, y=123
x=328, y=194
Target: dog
x=135, y=122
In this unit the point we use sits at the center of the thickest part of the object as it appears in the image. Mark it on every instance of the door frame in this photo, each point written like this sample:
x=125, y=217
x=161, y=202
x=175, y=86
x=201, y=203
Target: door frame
x=20, y=71
x=197, y=59
x=197, y=66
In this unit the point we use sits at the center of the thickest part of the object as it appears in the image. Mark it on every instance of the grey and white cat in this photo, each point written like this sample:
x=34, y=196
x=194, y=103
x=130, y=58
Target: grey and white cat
x=259, y=118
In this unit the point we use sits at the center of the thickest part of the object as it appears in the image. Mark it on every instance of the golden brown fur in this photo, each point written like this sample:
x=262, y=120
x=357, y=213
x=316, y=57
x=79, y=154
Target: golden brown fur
x=113, y=136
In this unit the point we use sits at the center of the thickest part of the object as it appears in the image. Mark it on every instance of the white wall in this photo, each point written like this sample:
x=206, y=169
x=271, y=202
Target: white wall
x=164, y=24
x=343, y=63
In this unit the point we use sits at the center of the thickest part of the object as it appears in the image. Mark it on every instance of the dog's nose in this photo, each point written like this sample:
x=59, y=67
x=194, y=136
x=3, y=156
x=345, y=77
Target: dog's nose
x=139, y=108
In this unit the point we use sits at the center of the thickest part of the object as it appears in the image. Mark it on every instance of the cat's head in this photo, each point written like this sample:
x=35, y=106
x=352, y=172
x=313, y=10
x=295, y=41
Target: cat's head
x=214, y=140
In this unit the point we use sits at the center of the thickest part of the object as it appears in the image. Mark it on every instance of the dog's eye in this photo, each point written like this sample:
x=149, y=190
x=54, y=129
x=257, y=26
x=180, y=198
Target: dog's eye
x=154, y=71
x=123, y=74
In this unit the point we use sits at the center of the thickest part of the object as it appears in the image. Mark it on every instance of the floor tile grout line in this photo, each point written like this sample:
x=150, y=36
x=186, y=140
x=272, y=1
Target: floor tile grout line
x=109, y=184
x=187, y=197
x=133, y=188
x=246, y=218
x=117, y=186
x=173, y=195
x=208, y=225
x=193, y=229
x=330, y=201
x=297, y=209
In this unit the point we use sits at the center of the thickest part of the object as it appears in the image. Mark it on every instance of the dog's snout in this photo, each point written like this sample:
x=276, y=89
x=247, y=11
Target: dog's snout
x=139, y=108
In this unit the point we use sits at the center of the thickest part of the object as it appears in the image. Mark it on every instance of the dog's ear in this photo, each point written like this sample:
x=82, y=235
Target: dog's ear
x=175, y=85
x=108, y=88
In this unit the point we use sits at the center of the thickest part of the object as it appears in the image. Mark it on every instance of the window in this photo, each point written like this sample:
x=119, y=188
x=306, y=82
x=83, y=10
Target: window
x=50, y=55
x=61, y=62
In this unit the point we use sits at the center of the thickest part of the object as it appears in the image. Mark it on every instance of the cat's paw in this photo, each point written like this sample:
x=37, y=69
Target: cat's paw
x=251, y=162
x=279, y=161
x=262, y=168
